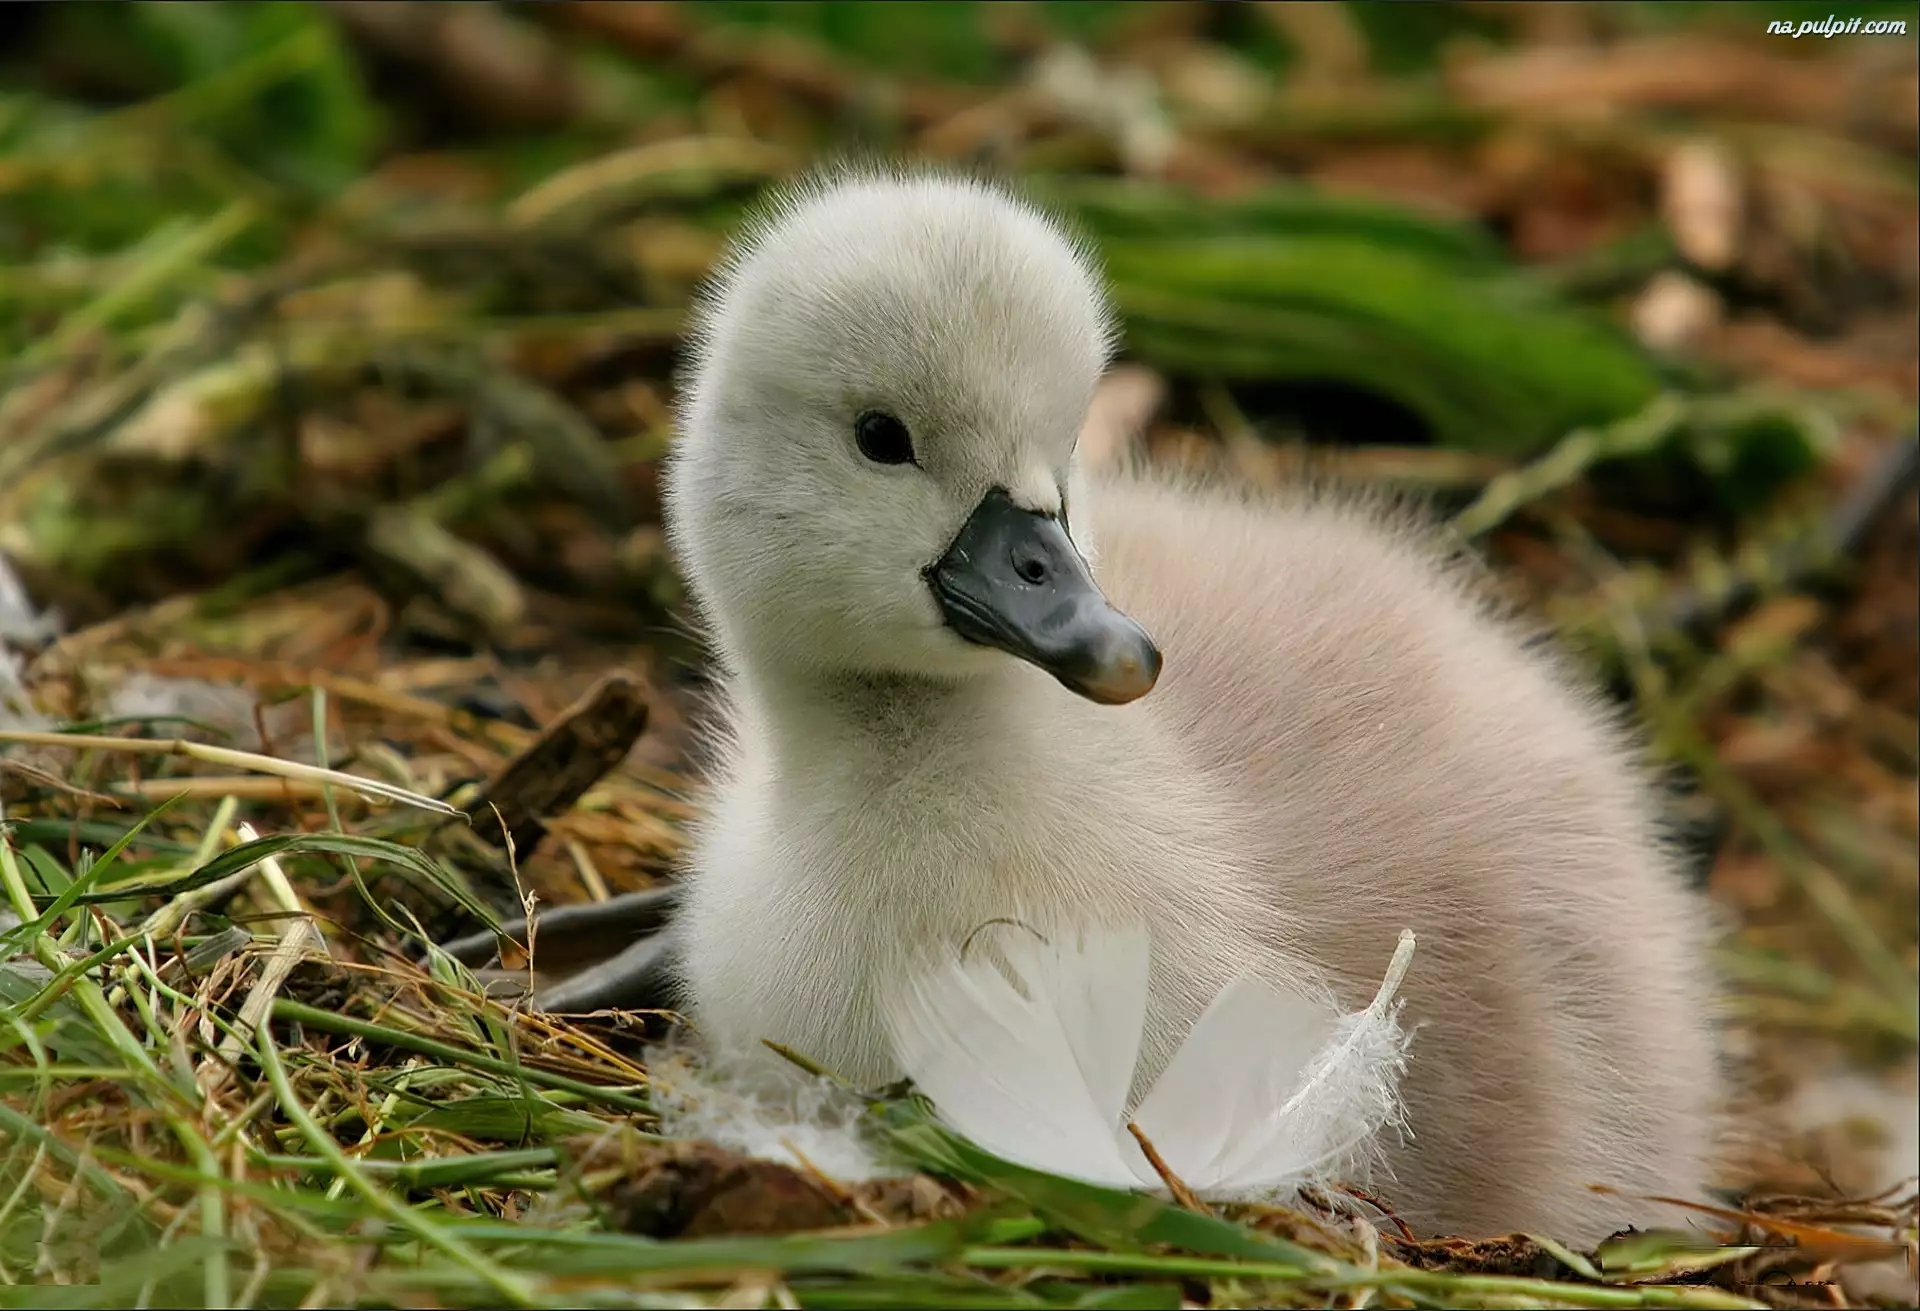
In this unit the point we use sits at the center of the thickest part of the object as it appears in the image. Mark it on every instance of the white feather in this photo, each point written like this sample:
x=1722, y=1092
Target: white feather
x=1346, y=1093
x=1245, y=1054
x=1269, y=1090
x=1099, y=991
x=1013, y=1071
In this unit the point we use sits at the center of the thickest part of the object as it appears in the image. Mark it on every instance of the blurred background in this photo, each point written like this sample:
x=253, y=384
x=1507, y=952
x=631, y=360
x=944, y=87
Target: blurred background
x=337, y=347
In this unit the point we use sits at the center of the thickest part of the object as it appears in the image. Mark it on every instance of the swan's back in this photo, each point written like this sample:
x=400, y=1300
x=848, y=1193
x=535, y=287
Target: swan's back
x=1413, y=764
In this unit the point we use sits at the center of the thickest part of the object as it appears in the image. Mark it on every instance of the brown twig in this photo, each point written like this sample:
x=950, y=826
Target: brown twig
x=1381, y=1207
x=1182, y=1194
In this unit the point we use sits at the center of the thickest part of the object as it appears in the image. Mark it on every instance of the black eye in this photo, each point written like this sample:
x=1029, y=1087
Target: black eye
x=883, y=438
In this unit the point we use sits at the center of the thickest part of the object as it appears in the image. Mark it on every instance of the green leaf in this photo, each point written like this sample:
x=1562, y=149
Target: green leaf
x=62, y=1028
x=581, y=1253
x=95, y=875
x=505, y=1119
x=408, y=860
x=1133, y=1297
x=1104, y=1216
x=1490, y=361
x=1121, y=211
x=271, y=83
x=89, y=832
x=1660, y=1255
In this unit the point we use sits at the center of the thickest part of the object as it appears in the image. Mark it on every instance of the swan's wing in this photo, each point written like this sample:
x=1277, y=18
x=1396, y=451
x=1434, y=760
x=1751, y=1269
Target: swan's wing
x=1003, y=1070
x=1338, y=1101
x=1244, y=1055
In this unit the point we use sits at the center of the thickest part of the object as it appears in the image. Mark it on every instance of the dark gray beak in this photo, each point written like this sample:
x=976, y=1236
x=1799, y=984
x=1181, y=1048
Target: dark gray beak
x=1013, y=580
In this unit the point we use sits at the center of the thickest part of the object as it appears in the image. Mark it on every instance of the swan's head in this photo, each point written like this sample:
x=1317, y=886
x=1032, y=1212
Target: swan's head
x=875, y=471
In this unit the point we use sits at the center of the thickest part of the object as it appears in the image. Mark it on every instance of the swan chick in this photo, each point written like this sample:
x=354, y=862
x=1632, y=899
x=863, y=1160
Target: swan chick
x=964, y=682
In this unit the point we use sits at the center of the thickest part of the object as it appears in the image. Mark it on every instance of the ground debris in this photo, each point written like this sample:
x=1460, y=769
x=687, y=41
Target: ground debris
x=1514, y=1254
x=691, y=1189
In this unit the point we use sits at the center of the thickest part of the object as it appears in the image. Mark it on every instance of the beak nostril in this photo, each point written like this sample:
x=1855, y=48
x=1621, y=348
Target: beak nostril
x=1013, y=580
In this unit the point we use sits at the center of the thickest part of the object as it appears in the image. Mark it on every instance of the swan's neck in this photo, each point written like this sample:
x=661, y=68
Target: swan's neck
x=891, y=721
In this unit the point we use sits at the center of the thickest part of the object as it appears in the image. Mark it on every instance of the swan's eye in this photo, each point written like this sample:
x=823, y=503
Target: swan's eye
x=883, y=438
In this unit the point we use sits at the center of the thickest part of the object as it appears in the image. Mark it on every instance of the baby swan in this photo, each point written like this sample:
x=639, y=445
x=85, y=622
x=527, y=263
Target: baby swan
x=941, y=644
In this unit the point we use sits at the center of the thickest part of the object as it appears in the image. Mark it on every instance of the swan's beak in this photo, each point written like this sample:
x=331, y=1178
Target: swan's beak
x=1013, y=580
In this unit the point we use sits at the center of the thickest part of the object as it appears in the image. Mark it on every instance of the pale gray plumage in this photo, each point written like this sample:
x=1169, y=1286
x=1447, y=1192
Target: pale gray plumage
x=1345, y=740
